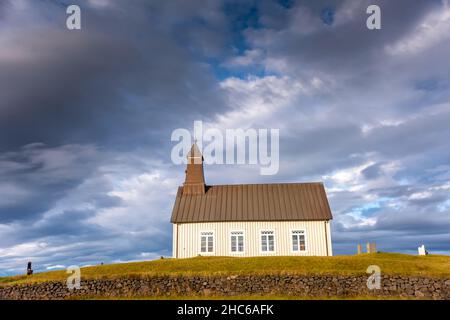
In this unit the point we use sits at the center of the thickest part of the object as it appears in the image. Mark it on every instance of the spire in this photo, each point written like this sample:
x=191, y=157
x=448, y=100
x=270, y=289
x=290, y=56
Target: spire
x=195, y=180
x=194, y=155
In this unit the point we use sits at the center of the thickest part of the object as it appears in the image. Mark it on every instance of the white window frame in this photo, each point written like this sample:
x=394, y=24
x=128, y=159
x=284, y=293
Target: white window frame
x=200, y=242
x=291, y=233
x=274, y=241
x=243, y=244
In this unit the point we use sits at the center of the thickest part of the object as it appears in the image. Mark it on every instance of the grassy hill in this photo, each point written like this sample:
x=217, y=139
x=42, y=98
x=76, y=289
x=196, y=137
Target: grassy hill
x=390, y=263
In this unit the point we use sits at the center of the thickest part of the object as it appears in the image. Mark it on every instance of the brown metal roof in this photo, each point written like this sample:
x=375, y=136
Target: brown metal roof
x=253, y=202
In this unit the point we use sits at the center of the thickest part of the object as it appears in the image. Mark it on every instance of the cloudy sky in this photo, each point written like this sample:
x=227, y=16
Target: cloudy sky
x=86, y=118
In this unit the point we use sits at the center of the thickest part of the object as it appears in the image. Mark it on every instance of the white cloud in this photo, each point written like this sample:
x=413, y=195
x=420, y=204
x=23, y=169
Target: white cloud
x=145, y=203
x=12, y=194
x=256, y=99
x=56, y=267
x=23, y=249
x=420, y=195
x=100, y=3
x=366, y=128
x=250, y=57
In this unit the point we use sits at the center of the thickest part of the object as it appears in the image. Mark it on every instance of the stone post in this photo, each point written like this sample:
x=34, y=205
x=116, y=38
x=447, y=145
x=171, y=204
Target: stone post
x=359, y=247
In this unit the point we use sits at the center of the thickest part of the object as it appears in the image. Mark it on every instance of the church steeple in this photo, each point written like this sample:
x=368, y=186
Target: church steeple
x=195, y=179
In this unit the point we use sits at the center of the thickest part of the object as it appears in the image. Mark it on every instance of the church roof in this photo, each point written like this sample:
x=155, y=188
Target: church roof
x=253, y=202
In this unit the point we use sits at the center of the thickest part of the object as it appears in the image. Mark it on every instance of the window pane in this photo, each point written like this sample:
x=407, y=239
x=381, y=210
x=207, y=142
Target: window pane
x=271, y=243
x=210, y=244
x=233, y=243
x=302, y=243
x=240, y=243
x=294, y=242
x=203, y=244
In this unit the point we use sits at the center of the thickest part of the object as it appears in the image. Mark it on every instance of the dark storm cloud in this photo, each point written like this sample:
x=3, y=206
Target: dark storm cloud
x=70, y=224
x=393, y=191
x=347, y=47
x=2, y=9
x=372, y=171
x=95, y=84
x=421, y=222
x=433, y=129
x=327, y=16
x=328, y=143
x=35, y=177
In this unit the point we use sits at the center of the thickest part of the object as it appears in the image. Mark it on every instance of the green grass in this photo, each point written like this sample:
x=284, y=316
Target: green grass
x=390, y=263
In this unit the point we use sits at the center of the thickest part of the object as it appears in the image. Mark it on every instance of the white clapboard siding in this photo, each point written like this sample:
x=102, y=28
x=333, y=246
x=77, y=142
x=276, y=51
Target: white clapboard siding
x=186, y=238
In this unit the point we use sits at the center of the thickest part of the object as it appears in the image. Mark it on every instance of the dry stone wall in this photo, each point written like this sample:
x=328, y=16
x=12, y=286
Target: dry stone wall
x=295, y=285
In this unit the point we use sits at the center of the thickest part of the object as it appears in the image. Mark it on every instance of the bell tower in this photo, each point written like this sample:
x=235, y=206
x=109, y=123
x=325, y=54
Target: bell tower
x=195, y=180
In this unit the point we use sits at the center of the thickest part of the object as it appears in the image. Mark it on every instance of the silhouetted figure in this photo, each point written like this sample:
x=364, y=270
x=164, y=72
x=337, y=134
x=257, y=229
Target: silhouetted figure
x=29, y=269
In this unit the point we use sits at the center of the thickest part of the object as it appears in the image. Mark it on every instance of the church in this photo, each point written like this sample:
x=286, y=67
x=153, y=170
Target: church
x=247, y=220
